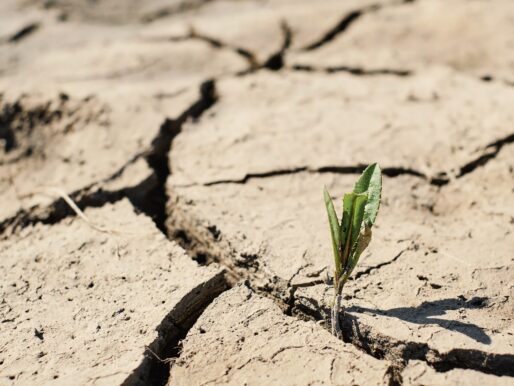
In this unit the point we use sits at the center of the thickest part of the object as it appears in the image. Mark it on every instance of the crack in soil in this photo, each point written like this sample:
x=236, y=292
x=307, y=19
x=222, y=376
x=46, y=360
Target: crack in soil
x=401, y=352
x=276, y=61
x=87, y=197
x=347, y=21
x=155, y=371
x=355, y=169
x=358, y=169
x=438, y=179
x=209, y=244
x=292, y=307
x=148, y=196
x=158, y=156
x=492, y=151
x=368, y=270
x=343, y=25
x=251, y=176
x=195, y=238
x=357, y=71
x=24, y=32
x=205, y=245
x=246, y=54
x=181, y=7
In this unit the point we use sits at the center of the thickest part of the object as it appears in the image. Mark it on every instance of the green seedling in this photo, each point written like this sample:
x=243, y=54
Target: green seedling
x=352, y=235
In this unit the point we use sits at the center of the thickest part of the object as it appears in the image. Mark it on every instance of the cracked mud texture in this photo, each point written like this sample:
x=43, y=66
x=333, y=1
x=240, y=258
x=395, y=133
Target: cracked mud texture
x=262, y=29
x=447, y=119
x=419, y=34
x=66, y=143
x=217, y=123
x=63, y=126
x=244, y=338
x=430, y=287
x=103, y=294
x=434, y=285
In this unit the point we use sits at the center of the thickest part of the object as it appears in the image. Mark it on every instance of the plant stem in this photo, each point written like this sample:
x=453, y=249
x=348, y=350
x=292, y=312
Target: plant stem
x=336, y=327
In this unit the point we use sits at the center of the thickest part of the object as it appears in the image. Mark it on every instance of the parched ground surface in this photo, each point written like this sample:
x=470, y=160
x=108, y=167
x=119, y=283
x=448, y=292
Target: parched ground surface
x=161, y=169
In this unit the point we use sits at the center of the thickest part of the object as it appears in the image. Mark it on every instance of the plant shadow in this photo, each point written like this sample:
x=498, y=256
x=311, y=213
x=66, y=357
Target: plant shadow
x=425, y=314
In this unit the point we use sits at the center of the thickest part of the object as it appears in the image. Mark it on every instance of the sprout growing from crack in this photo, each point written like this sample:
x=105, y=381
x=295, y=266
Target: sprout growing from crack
x=352, y=235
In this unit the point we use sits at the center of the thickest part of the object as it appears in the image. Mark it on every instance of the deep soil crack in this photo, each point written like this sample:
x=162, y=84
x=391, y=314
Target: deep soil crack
x=91, y=196
x=276, y=61
x=399, y=353
x=158, y=156
x=148, y=196
x=165, y=349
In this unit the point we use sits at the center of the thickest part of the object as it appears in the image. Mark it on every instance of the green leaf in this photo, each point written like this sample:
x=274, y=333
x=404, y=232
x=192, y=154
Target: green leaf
x=362, y=243
x=358, y=216
x=353, y=212
x=370, y=182
x=335, y=231
x=346, y=220
x=346, y=223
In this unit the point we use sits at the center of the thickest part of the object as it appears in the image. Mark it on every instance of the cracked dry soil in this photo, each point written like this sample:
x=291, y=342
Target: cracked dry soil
x=196, y=136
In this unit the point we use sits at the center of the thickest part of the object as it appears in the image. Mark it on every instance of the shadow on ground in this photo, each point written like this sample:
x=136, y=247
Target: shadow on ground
x=425, y=314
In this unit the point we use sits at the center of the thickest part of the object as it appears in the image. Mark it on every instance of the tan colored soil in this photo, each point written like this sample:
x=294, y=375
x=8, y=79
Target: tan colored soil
x=80, y=306
x=258, y=344
x=196, y=137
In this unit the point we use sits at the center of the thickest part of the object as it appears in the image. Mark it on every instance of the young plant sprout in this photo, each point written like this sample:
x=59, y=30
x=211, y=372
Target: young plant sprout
x=352, y=235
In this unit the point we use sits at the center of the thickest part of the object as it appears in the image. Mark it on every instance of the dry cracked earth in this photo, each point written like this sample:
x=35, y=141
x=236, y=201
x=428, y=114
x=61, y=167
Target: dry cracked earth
x=161, y=169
